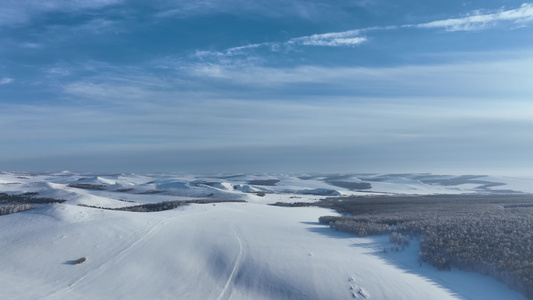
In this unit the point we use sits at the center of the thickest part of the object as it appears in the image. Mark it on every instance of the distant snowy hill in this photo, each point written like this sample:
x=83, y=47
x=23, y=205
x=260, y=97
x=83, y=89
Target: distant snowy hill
x=72, y=186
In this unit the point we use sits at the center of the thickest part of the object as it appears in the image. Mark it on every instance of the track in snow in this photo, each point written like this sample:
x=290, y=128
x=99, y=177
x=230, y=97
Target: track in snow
x=222, y=293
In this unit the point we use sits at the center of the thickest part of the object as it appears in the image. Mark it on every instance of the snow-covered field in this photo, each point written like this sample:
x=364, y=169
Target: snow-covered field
x=219, y=251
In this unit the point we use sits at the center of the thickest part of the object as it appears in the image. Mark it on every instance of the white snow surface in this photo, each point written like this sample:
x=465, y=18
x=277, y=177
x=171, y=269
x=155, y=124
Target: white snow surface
x=514, y=184
x=216, y=251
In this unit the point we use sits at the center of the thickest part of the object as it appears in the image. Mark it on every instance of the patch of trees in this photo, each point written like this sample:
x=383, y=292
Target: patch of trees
x=351, y=185
x=87, y=186
x=151, y=207
x=264, y=182
x=166, y=205
x=294, y=204
x=491, y=234
x=27, y=198
x=14, y=208
x=10, y=204
x=152, y=192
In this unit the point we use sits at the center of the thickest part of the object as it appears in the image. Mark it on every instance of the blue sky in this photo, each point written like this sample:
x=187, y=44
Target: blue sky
x=267, y=86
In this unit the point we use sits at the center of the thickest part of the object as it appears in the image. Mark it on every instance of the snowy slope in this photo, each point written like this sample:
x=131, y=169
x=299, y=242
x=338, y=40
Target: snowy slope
x=239, y=251
x=215, y=251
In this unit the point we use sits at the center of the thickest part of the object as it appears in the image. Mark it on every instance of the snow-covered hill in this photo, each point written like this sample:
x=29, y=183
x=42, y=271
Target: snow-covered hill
x=218, y=251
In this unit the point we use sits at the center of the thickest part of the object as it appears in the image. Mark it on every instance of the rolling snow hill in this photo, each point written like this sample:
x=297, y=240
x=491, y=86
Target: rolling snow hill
x=219, y=251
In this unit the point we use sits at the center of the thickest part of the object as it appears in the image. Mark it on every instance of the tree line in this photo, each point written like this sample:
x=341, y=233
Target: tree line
x=160, y=206
x=29, y=198
x=14, y=208
x=13, y=203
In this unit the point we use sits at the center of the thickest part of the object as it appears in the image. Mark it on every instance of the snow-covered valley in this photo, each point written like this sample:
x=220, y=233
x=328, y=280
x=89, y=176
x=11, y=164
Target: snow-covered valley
x=240, y=250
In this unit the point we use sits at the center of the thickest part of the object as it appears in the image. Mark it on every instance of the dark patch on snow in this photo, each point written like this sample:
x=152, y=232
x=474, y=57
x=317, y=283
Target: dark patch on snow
x=351, y=185
x=265, y=182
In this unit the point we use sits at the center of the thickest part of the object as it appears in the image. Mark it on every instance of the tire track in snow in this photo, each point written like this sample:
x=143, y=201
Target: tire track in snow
x=236, y=266
x=135, y=243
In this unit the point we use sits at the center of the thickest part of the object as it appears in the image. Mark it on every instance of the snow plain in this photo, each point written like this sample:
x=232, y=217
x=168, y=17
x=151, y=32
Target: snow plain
x=218, y=251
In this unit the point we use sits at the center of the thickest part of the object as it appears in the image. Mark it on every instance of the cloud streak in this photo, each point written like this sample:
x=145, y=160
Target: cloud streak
x=483, y=79
x=332, y=39
x=303, y=9
x=16, y=12
x=477, y=20
x=473, y=21
x=349, y=38
x=6, y=80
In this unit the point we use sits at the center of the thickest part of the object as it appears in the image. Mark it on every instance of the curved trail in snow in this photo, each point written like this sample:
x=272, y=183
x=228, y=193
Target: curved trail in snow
x=236, y=266
x=134, y=244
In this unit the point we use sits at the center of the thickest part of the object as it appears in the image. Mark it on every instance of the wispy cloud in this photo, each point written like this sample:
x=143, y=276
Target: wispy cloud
x=489, y=78
x=14, y=12
x=57, y=72
x=478, y=20
x=233, y=51
x=305, y=9
x=99, y=26
x=6, y=80
x=332, y=39
x=472, y=21
x=32, y=45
